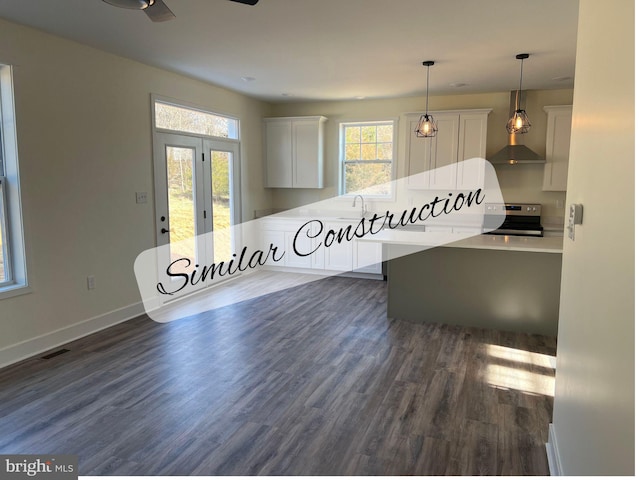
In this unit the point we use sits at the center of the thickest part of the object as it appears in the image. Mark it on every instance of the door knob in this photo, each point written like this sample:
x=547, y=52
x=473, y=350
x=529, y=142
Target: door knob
x=164, y=230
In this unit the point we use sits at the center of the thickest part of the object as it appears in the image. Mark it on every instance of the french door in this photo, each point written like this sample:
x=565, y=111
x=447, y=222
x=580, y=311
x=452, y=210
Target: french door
x=197, y=186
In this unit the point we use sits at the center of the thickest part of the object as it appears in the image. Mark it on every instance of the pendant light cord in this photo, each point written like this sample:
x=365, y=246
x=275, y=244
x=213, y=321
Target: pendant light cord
x=520, y=89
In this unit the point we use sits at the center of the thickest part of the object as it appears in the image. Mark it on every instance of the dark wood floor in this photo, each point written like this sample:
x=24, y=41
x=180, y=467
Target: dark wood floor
x=312, y=380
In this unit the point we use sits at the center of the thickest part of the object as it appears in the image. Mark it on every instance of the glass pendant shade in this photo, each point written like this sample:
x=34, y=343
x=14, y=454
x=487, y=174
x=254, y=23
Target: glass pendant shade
x=427, y=126
x=519, y=122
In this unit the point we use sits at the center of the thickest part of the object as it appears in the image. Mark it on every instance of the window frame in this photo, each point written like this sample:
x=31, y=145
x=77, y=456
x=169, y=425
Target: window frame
x=233, y=144
x=5, y=248
x=16, y=282
x=342, y=124
x=190, y=106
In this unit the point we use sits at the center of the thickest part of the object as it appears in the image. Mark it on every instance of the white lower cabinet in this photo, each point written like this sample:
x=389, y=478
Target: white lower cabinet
x=275, y=238
x=291, y=259
x=367, y=257
x=339, y=256
x=437, y=229
x=348, y=256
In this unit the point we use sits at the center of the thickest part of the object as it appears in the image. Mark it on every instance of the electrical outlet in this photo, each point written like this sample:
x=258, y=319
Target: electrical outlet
x=91, y=282
x=559, y=204
x=141, y=197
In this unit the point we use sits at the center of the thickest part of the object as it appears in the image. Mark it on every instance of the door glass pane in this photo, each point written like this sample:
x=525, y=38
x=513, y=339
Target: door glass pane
x=221, y=172
x=182, y=218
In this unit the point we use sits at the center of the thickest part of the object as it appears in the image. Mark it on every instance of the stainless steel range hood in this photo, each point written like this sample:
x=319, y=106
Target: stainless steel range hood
x=512, y=153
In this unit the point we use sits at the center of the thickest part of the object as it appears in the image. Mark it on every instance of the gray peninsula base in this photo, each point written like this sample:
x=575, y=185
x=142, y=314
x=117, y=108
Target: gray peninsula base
x=504, y=290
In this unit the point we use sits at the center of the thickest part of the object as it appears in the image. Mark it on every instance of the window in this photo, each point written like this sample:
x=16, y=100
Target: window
x=190, y=120
x=13, y=277
x=366, y=157
x=5, y=270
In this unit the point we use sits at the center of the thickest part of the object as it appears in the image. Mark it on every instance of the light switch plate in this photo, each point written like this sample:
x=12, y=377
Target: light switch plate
x=575, y=214
x=575, y=218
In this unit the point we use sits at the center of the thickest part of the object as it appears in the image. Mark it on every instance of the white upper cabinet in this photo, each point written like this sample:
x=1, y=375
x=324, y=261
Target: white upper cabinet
x=278, y=155
x=557, y=155
x=294, y=152
x=461, y=135
x=472, y=143
x=444, y=151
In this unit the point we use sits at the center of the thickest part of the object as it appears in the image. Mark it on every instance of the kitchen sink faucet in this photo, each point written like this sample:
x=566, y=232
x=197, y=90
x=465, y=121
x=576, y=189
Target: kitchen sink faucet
x=363, y=210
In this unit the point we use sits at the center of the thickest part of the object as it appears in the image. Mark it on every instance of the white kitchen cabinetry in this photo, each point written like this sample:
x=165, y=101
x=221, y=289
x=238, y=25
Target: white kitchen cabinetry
x=367, y=257
x=556, y=167
x=294, y=152
x=346, y=256
x=339, y=257
x=437, y=229
x=291, y=259
x=461, y=135
x=280, y=233
x=472, y=143
x=276, y=239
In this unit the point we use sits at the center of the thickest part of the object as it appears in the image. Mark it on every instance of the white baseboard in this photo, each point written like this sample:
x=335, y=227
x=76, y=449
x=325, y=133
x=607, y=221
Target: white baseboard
x=29, y=348
x=553, y=458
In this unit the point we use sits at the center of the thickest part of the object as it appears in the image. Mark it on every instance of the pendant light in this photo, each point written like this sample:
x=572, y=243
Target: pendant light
x=519, y=121
x=427, y=125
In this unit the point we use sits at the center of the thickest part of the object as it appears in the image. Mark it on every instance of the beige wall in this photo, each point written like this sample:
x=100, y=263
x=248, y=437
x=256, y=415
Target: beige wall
x=84, y=139
x=594, y=404
x=521, y=183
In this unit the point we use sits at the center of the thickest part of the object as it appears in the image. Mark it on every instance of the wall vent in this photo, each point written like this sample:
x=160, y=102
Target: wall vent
x=56, y=353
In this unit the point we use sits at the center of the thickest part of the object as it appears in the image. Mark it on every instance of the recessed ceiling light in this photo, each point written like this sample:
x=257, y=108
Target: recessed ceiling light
x=458, y=84
x=562, y=79
x=360, y=97
x=248, y=79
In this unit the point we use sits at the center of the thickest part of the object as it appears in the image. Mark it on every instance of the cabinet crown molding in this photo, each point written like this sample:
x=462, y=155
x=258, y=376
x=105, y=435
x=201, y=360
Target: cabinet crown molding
x=486, y=111
x=306, y=117
x=553, y=108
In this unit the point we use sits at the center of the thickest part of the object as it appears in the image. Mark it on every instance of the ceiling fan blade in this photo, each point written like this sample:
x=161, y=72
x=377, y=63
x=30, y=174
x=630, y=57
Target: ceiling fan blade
x=159, y=12
x=246, y=2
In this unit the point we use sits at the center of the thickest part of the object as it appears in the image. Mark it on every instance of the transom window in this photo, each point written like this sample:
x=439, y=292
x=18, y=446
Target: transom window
x=198, y=122
x=366, y=157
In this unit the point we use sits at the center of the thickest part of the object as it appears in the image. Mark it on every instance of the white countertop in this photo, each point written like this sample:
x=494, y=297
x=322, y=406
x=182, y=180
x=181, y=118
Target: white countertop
x=552, y=243
x=549, y=244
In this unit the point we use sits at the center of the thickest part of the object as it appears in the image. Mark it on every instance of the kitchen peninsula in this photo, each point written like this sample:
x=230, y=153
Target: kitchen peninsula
x=502, y=282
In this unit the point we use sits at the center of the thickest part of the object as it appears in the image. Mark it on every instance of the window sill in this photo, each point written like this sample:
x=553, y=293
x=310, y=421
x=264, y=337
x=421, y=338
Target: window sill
x=14, y=291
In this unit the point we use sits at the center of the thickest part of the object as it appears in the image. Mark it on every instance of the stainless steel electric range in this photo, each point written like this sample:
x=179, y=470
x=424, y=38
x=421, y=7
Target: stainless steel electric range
x=520, y=219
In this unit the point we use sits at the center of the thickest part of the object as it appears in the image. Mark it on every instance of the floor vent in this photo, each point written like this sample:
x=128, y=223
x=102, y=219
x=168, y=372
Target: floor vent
x=55, y=354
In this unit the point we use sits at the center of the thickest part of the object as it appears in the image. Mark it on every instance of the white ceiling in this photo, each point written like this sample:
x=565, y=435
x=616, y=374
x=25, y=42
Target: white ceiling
x=331, y=49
